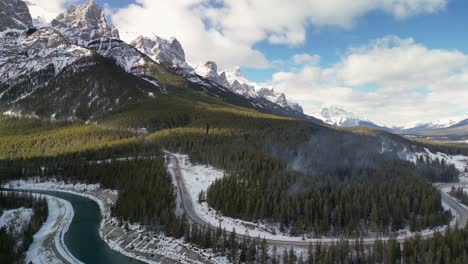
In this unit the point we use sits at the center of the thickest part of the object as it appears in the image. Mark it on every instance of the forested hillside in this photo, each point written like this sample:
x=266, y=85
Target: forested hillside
x=307, y=178
x=315, y=175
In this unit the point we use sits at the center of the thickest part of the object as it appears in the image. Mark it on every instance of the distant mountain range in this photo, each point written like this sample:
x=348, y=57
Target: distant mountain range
x=453, y=130
x=338, y=116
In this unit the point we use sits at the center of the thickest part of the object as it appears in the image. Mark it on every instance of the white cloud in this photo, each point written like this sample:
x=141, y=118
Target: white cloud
x=396, y=62
x=47, y=9
x=180, y=19
x=226, y=31
x=409, y=82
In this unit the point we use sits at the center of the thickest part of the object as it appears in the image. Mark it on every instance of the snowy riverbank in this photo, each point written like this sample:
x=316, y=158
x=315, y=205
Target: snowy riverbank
x=48, y=245
x=136, y=241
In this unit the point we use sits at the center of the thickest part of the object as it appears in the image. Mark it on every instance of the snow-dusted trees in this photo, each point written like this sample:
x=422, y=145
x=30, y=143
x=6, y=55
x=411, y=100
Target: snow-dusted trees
x=14, y=246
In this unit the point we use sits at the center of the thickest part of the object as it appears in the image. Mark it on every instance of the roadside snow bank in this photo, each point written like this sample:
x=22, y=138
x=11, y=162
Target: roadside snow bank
x=198, y=178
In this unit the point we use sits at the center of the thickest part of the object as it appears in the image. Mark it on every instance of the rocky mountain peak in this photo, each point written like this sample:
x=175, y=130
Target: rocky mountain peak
x=14, y=16
x=177, y=48
x=271, y=95
x=84, y=23
x=168, y=52
x=235, y=74
x=209, y=70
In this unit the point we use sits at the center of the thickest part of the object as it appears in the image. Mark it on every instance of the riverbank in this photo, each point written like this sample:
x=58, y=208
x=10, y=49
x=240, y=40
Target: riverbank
x=48, y=245
x=131, y=240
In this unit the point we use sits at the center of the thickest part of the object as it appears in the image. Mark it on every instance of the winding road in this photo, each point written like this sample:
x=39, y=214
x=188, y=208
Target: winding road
x=187, y=205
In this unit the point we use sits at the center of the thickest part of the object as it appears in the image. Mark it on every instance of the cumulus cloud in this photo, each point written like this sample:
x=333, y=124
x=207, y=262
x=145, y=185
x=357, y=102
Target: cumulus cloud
x=226, y=31
x=396, y=62
x=407, y=81
x=47, y=9
x=182, y=19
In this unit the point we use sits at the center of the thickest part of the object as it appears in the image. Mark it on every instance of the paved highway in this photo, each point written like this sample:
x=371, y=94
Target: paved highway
x=172, y=162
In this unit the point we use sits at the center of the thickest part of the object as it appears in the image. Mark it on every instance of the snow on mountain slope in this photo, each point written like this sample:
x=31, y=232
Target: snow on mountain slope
x=442, y=123
x=209, y=70
x=123, y=54
x=51, y=67
x=166, y=52
x=235, y=74
x=14, y=16
x=84, y=23
x=242, y=85
x=42, y=50
x=272, y=96
x=171, y=54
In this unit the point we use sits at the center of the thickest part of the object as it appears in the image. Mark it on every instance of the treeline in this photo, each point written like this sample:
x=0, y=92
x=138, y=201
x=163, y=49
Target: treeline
x=146, y=193
x=449, y=247
x=436, y=170
x=355, y=208
x=14, y=246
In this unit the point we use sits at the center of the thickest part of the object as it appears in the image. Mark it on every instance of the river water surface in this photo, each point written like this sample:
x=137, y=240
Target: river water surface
x=82, y=238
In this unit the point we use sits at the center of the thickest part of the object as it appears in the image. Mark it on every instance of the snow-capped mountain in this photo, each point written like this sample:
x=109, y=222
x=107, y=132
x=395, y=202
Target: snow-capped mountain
x=338, y=116
x=234, y=80
x=271, y=95
x=235, y=74
x=209, y=70
x=77, y=68
x=171, y=54
x=44, y=49
x=84, y=23
x=167, y=52
x=439, y=124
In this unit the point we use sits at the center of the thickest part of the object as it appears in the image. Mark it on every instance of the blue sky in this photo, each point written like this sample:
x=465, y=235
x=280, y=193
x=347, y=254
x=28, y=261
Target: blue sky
x=443, y=30
x=392, y=61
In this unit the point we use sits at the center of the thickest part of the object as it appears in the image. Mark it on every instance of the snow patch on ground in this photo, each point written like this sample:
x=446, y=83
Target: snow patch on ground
x=459, y=161
x=15, y=220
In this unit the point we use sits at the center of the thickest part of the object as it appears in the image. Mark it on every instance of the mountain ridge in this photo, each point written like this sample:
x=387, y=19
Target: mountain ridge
x=84, y=28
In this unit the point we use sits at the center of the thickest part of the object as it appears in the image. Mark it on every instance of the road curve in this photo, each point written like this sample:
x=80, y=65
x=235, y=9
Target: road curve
x=187, y=205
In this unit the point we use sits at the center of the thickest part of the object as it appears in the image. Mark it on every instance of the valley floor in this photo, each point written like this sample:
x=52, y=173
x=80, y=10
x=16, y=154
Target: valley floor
x=191, y=179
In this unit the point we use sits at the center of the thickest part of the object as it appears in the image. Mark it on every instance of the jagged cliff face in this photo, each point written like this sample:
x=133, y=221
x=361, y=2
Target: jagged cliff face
x=14, y=16
x=84, y=23
x=45, y=49
x=167, y=52
x=209, y=70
